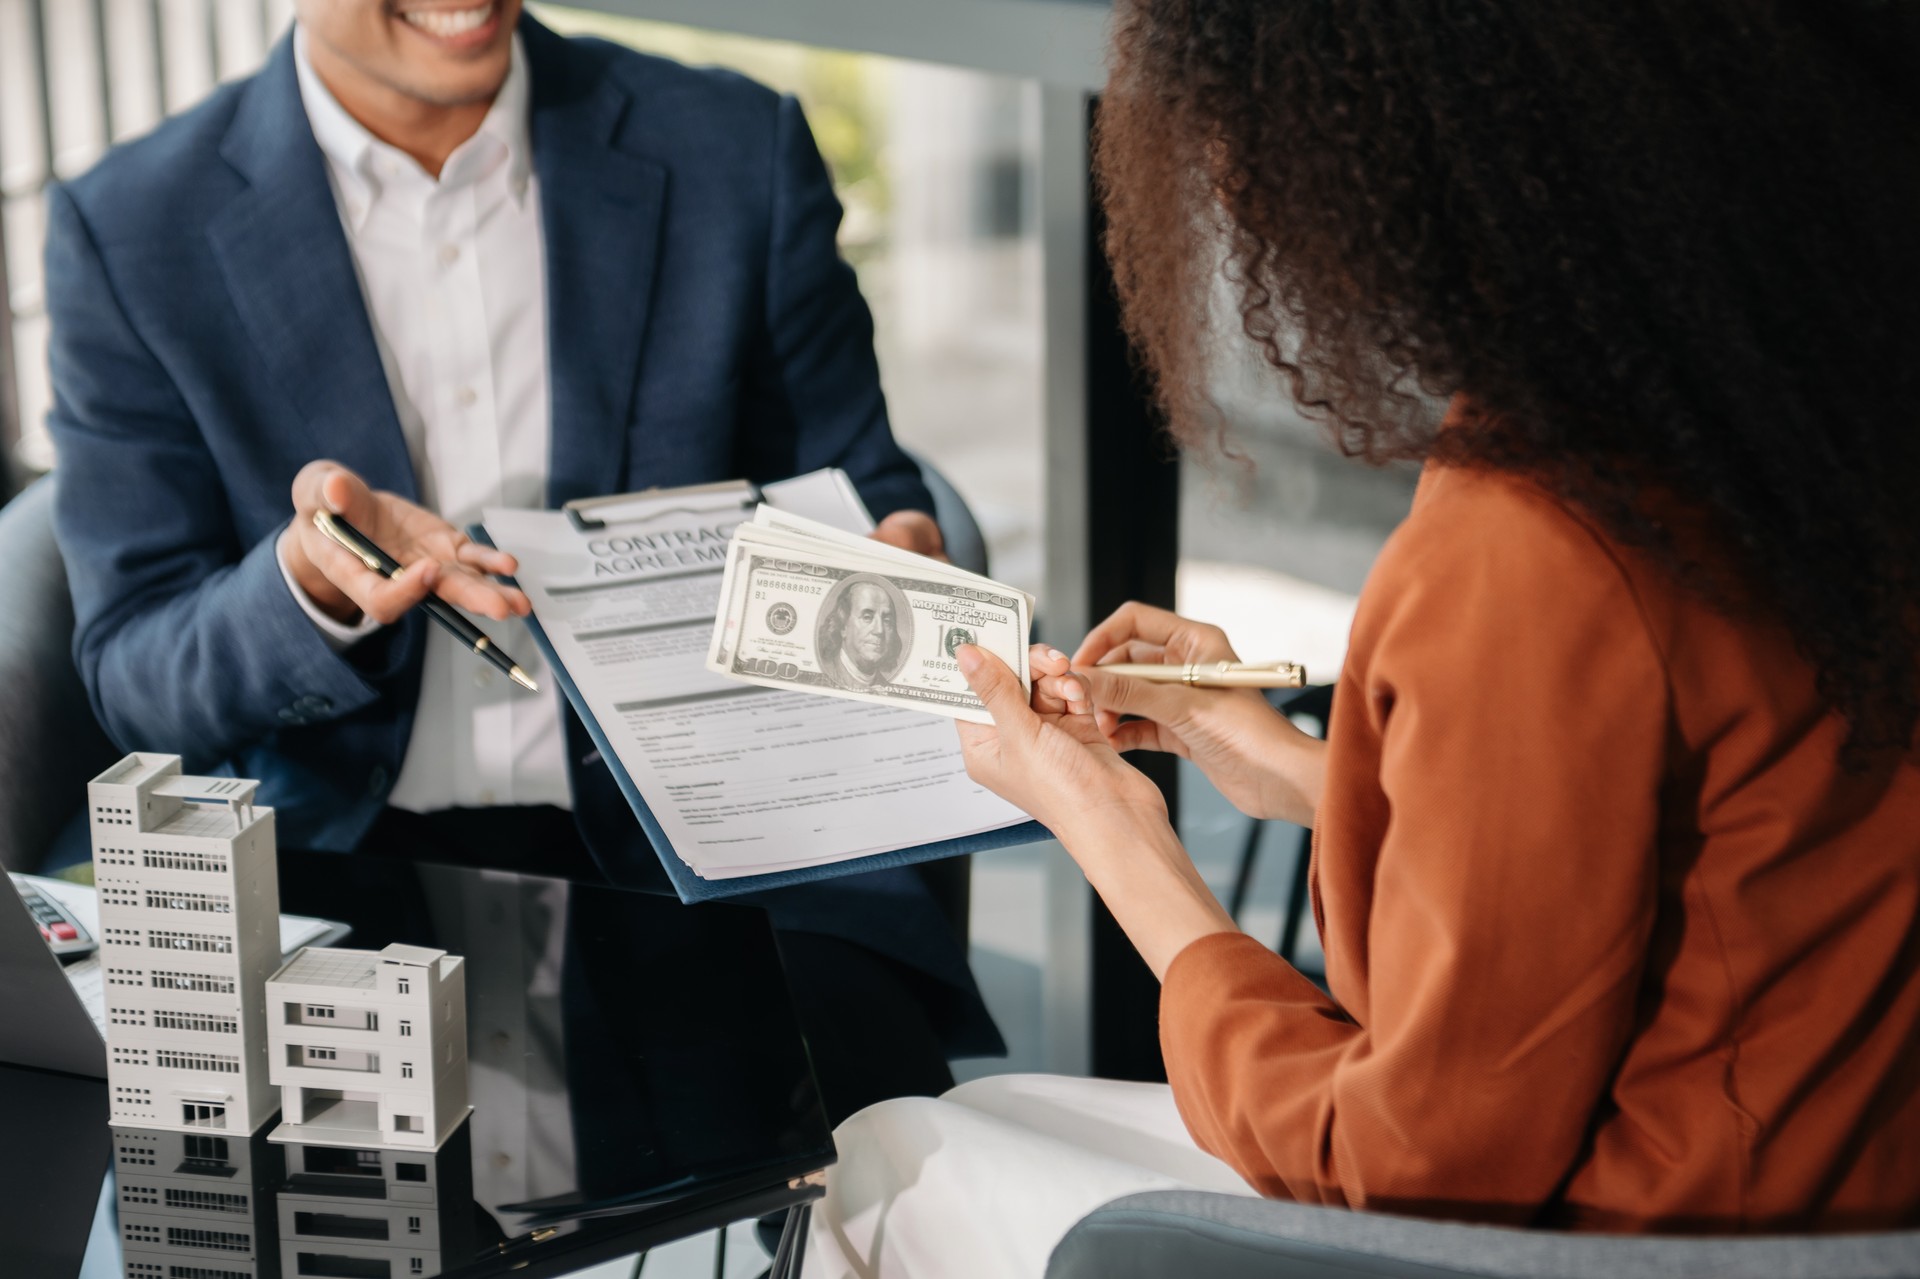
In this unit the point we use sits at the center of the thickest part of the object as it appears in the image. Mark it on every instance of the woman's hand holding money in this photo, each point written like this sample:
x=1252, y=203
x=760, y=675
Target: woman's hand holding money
x=1049, y=756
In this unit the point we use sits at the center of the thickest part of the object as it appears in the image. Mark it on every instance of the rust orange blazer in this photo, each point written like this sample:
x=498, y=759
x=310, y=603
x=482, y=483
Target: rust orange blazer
x=1615, y=943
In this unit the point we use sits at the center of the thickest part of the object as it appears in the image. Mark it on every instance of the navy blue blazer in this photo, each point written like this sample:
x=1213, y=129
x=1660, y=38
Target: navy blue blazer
x=209, y=338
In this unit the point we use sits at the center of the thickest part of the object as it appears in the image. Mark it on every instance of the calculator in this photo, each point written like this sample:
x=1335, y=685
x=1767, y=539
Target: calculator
x=58, y=928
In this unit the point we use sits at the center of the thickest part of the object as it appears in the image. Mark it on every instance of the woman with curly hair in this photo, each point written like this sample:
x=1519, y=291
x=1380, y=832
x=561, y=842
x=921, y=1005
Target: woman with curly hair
x=1617, y=855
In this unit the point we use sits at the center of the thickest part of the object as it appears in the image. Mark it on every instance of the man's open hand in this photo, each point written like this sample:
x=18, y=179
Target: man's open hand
x=439, y=558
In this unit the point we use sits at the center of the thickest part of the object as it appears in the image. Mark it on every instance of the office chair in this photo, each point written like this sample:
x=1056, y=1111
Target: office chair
x=1199, y=1235
x=1314, y=703
x=50, y=745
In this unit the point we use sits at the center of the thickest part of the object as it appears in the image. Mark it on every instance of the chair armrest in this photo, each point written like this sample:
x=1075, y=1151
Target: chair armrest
x=1197, y=1235
x=50, y=745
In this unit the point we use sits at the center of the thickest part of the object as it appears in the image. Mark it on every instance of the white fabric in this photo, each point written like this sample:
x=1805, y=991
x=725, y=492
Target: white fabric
x=453, y=271
x=987, y=1179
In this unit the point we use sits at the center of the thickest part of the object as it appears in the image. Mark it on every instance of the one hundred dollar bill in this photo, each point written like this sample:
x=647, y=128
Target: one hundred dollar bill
x=829, y=619
x=774, y=529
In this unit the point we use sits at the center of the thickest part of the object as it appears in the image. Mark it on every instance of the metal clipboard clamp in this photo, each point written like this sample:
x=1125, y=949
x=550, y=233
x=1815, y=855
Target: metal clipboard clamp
x=592, y=514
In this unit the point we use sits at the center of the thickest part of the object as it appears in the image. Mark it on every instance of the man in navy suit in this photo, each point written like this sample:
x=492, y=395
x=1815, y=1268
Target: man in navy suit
x=433, y=258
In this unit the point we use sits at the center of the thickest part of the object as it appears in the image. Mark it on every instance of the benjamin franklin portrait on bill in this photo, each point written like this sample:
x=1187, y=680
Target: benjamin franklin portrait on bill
x=865, y=632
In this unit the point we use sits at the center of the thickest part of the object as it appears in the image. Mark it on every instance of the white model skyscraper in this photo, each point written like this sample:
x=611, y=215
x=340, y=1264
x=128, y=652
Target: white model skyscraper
x=189, y=932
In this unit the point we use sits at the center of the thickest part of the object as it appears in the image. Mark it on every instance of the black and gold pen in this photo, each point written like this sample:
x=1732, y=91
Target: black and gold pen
x=356, y=544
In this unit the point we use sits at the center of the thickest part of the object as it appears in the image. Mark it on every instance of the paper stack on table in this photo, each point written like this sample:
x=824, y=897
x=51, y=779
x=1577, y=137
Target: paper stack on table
x=807, y=607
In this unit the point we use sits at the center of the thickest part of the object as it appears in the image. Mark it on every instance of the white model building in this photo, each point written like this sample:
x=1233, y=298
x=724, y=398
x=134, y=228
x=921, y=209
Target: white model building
x=189, y=930
x=369, y=1047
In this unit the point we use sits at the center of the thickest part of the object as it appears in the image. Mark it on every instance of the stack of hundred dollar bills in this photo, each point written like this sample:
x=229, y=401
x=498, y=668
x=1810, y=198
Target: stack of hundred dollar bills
x=808, y=607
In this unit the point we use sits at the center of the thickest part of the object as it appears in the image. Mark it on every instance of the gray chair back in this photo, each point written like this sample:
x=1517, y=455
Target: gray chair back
x=966, y=546
x=1198, y=1235
x=50, y=745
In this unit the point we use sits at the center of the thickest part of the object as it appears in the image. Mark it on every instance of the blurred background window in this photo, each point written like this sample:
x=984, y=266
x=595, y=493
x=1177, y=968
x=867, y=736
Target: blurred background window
x=75, y=77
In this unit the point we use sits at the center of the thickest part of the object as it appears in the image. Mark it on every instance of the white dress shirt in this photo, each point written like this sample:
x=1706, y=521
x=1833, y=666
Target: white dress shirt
x=453, y=272
x=454, y=277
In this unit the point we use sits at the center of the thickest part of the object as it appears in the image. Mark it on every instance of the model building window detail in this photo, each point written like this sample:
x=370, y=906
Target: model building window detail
x=330, y=1056
x=185, y=846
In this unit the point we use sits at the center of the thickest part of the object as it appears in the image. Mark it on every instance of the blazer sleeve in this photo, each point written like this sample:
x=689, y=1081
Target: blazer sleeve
x=819, y=338
x=1513, y=707
x=188, y=642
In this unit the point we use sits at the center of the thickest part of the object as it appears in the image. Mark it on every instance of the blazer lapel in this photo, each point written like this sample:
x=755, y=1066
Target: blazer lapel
x=291, y=275
x=601, y=210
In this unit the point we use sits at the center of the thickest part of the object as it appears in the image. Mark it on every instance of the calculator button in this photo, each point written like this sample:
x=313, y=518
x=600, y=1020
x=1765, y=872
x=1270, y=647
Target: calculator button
x=66, y=932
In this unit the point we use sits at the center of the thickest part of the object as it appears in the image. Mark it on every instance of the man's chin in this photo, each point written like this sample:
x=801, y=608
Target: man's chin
x=466, y=91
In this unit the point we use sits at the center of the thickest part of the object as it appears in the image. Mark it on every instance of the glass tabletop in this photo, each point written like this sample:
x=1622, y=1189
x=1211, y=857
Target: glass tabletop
x=636, y=1072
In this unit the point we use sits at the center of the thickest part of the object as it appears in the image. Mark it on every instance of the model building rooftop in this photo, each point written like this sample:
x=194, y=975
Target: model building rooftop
x=150, y=793
x=202, y=820
x=358, y=969
x=411, y=956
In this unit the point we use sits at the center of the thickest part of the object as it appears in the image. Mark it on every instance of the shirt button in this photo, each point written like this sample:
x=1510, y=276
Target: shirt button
x=377, y=780
x=449, y=253
x=466, y=397
x=483, y=677
x=501, y=1159
x=486, y=798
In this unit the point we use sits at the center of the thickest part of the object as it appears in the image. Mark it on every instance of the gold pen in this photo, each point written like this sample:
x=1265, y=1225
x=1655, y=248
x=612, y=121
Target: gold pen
x=1214, y=674
x=361, y=547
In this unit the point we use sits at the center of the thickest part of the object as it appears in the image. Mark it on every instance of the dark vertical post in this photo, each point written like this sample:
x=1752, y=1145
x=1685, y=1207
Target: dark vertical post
x=9, y=388
x=158, y=18
x=103, y=58
x=1133, y=539
x=212, y=14
x=43, y=72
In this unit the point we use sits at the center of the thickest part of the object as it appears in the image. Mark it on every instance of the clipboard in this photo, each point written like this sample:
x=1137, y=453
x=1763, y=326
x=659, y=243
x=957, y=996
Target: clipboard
x=603, y=512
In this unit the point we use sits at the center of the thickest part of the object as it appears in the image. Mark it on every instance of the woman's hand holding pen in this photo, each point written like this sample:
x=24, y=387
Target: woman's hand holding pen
x=1251, y=753
x=440, y=559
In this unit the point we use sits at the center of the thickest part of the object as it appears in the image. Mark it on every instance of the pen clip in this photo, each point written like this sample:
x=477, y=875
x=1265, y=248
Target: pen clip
x=587, y=514
x=330, y=528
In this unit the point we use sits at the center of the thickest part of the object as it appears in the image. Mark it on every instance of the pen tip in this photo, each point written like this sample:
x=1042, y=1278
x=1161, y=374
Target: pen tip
x=525, y=681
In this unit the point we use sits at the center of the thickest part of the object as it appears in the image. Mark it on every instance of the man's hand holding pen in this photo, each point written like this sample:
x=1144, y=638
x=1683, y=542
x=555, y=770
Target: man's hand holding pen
x=439, y=558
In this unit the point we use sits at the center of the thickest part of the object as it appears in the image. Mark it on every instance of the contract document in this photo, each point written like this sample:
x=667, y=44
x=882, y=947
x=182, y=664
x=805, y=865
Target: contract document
x=731, y=781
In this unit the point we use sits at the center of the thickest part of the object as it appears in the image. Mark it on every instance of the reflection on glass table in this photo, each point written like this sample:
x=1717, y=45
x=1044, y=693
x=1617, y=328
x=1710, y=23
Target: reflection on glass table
x=196, y=1204
x=369, y=1214
x=675, y=1097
